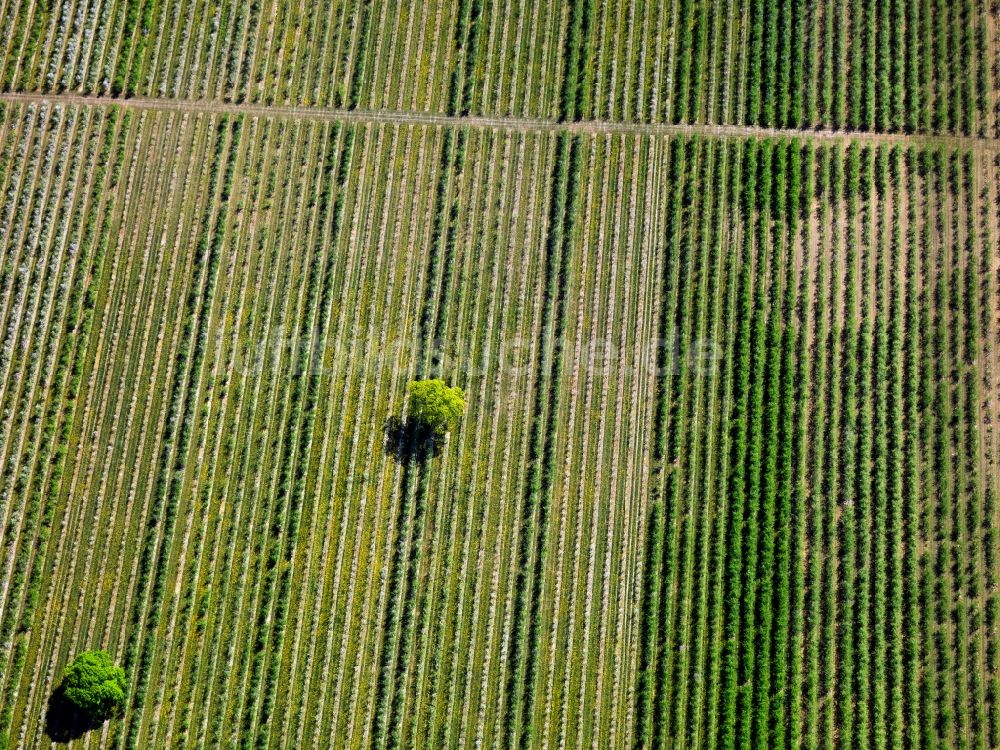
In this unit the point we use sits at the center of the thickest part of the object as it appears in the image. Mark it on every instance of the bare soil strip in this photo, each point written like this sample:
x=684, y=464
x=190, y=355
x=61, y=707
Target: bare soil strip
x=521, y=124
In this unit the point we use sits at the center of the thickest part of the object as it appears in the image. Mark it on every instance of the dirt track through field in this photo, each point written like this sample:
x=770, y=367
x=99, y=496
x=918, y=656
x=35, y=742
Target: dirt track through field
x=971, y=143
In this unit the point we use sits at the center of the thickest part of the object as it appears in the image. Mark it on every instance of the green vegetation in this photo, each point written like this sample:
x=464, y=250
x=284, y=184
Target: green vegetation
x=435, y=406
x=94, y=686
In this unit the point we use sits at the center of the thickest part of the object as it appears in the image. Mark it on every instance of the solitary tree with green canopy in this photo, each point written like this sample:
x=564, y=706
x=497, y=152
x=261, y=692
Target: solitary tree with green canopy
x=95, y=686
x=435, y=406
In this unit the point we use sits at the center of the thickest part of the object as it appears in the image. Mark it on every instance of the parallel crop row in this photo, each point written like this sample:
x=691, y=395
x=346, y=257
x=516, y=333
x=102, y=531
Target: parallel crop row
x=831, y=617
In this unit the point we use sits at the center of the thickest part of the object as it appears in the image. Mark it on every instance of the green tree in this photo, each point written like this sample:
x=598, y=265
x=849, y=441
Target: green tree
x=95, y=686
x=435, y=406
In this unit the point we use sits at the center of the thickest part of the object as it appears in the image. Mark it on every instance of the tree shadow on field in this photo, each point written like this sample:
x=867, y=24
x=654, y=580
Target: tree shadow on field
x=406, y=441
x=63, y=722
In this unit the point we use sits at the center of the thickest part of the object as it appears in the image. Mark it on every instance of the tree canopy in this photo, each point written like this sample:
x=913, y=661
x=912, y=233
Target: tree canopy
x=435, y=406
x=95, y=686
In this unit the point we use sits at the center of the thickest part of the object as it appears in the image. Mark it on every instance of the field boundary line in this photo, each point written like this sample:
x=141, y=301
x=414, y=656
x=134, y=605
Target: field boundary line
x=510, y=124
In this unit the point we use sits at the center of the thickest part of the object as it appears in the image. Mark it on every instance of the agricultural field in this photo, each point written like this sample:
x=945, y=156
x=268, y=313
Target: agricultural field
x=720, y=282
x=898, y=65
